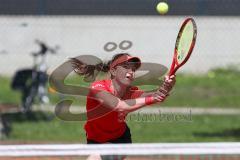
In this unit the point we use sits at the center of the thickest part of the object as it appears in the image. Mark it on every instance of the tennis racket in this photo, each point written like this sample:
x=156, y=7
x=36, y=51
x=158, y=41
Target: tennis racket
x=184, y=44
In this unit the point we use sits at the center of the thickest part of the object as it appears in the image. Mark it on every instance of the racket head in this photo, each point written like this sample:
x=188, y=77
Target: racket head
x=184, y=45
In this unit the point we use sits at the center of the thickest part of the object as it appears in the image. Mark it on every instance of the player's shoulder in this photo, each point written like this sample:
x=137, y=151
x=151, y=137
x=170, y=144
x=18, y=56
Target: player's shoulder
x=101, y=84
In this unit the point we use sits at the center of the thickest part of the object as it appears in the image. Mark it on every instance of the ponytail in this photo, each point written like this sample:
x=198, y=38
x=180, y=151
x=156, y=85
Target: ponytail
x=88, y=70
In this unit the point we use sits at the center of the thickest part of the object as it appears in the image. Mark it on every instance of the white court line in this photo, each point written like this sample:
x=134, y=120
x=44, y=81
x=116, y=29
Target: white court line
x=163, y=110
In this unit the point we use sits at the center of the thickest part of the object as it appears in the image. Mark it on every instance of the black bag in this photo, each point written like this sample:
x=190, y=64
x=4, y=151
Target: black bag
x=21, y=79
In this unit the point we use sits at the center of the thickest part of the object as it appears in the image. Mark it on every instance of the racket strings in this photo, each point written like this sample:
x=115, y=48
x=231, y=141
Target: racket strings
x=185, y=42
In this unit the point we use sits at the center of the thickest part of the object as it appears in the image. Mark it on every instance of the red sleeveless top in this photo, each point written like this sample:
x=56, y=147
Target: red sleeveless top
x=104, y=124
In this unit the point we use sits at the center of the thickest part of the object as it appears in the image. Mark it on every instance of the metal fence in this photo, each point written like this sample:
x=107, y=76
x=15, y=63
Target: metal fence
x=153, y=39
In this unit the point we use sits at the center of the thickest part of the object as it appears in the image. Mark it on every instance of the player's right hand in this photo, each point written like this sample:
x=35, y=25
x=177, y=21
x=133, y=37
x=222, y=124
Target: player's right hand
x=160, y=96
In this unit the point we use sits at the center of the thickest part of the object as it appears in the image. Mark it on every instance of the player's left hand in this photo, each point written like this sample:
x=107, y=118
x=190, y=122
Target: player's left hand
x=169, y=82
x=163, y=92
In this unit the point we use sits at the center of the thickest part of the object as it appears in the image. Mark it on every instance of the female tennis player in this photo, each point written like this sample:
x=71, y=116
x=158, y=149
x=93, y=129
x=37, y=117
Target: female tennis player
x=114, y=98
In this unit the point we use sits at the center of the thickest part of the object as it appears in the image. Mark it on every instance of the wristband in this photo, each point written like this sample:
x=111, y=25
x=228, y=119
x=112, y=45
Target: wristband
x=149, y=100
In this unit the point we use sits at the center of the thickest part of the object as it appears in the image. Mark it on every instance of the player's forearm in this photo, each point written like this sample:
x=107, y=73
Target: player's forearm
x=128, y=105
x=131, y=105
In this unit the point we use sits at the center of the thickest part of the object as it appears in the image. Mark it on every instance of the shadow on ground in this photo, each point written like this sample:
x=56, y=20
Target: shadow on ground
x=11, y=113
x=234, y=133
x=30, y=116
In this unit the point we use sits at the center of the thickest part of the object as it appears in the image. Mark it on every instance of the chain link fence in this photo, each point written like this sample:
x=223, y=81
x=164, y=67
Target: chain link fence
x=152, y=39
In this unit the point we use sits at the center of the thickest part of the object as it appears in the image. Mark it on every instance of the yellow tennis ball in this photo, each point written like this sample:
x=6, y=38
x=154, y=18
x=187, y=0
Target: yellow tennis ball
x=162, y=7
